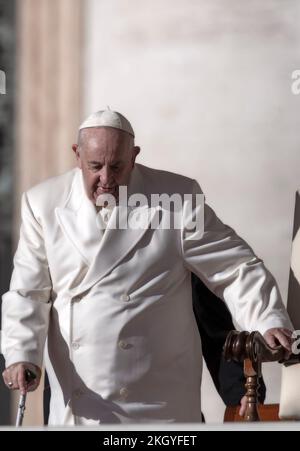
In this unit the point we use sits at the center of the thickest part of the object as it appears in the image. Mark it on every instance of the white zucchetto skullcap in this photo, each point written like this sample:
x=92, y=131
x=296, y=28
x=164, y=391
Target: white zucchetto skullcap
x=108, y=118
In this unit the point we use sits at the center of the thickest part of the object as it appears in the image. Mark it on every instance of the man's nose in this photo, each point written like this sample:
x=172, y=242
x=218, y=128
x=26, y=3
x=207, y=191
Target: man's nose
x=106, y=176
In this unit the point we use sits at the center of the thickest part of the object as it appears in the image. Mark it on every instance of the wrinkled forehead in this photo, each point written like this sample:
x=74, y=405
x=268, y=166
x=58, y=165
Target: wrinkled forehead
x=105, y=140
x=104, y=135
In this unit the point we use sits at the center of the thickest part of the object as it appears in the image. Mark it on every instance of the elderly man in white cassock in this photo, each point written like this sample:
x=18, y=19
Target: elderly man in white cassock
x=109, y=307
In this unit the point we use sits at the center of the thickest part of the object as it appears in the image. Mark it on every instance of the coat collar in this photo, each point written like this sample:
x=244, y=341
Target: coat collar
x=101, y=254
x=77, y=219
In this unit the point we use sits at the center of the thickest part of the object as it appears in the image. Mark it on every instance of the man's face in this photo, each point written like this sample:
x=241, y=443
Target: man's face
x=106, y=157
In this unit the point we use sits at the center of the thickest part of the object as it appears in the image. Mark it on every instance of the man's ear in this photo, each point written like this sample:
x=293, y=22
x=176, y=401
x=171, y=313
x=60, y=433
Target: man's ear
x=76, y=151
x=136, y=151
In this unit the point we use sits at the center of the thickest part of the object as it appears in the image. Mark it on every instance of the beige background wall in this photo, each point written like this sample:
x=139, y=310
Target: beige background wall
x=207, y=86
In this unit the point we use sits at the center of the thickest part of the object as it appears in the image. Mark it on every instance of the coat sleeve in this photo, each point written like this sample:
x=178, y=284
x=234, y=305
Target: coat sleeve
x=26, y=306
x=231, y=270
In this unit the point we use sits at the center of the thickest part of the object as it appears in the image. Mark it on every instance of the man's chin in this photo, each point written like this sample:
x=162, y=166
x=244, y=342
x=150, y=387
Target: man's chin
x=106, y=199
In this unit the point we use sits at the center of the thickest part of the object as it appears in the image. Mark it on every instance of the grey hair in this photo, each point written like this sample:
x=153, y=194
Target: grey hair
x=80, y=138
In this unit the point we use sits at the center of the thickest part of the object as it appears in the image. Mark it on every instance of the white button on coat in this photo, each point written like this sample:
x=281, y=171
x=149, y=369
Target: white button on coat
x=75, y=346
x=124, y=392
x=125, y=297
x=122, y=344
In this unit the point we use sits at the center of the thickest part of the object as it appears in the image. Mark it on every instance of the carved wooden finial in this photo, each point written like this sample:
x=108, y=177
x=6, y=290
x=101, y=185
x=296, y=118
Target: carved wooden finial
x=252, y=349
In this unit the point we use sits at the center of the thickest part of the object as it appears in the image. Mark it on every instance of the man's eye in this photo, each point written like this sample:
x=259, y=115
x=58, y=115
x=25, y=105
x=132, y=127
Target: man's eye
x=115, y=168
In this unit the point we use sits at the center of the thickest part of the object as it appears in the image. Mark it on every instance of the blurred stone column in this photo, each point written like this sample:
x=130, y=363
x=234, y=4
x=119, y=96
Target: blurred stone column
x=48, y=103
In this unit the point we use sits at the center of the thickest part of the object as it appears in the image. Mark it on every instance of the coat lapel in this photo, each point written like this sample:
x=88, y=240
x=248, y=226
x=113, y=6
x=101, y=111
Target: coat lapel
x=78, y=222
x=102, y=252
x=117, y=242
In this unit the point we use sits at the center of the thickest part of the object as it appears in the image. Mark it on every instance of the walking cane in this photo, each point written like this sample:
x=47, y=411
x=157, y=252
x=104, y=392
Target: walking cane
x=29, y=376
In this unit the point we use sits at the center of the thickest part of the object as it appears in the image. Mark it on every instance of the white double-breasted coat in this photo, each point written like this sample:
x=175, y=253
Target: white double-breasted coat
x=122, y=344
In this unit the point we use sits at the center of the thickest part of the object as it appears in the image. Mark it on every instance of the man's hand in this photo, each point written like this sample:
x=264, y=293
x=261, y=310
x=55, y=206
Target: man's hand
x=14, y=377
x=274, y=337
x=280, y=336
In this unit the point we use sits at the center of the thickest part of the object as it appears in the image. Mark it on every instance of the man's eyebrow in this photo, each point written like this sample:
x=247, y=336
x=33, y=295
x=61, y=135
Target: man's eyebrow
x=98, y=162
x=94, y=162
